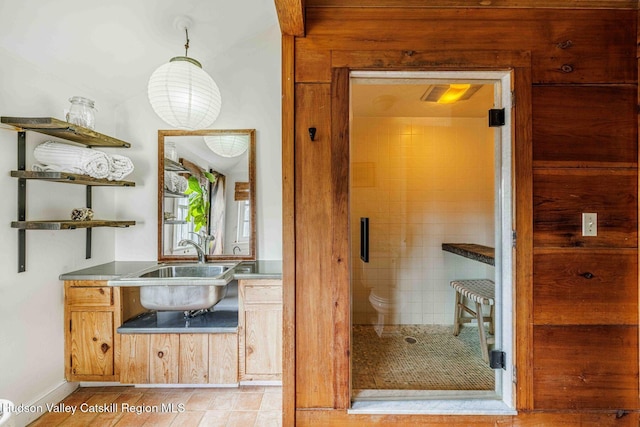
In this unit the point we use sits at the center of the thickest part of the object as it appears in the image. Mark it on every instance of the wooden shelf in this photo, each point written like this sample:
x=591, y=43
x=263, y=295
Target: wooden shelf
x=484, y=254
x=173, y=166
x=70, y=178
x=174, y=222
x=68, y=224
x=64, y=130
x=174, y=194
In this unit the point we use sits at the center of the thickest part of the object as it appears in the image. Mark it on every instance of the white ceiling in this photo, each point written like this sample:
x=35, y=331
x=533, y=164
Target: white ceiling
x=403, y=100
x=113, y=46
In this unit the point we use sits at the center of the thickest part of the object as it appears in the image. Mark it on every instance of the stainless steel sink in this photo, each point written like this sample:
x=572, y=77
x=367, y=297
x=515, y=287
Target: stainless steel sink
x=189, y=270
x=180, y=287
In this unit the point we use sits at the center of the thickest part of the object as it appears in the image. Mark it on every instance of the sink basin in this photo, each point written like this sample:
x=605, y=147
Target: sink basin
x=189, y=270
x=180, y=287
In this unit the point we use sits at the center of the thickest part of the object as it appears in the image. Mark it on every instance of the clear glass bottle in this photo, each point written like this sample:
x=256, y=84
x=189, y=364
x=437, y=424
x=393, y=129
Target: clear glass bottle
x=81, y=112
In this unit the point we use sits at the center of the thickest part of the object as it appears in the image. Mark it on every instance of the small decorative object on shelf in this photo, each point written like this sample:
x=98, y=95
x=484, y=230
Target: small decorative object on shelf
x=82, y=214
x=82, y=112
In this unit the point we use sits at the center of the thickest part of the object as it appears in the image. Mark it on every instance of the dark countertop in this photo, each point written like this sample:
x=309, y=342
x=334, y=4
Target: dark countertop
x=223, y=318
x=244, y=271
x=472, y=251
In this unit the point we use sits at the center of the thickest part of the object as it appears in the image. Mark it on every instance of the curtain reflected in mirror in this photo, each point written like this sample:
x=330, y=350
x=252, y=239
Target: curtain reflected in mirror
x=205, y=199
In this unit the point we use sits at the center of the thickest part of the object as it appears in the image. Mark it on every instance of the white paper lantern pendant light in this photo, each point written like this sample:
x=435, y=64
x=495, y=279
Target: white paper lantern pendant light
x=183, y=95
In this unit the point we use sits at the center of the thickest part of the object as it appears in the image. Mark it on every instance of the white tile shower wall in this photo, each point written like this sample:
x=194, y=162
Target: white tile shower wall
x=422, y=182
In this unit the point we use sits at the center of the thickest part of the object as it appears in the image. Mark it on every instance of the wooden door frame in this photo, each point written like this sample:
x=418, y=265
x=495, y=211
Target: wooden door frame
x=342, y=63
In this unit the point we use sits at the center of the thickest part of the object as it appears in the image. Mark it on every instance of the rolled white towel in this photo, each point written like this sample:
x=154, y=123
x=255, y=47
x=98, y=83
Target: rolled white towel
x=70, y=158
x=121, y=166
x=181, y=184
x=170, y=179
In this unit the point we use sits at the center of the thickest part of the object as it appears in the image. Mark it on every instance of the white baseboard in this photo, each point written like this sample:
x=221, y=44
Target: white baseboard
x=52, y=397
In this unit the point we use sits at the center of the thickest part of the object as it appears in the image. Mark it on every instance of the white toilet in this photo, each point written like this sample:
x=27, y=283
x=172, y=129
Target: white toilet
x=383, y=305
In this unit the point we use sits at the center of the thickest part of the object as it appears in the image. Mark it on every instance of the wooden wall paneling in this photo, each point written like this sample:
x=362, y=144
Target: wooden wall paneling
x=431, y=59
x=288, y=233
x=585, y=126
x=312, y=418
x=194, y=359
x=585, y=287
x=522, y=188
x=494, y=4
x=561, y=195
x=340, y=272
x=586, y=367
x=313, y=65
x=313, y=206
x=134, y=358
x=568, y=46
x=163, y=358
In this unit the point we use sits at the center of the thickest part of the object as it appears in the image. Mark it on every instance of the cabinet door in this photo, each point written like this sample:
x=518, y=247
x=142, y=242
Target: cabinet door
x=163, y=358
x=134, y=359
x=194, y=359
x=263, y=341
x=223, y=358
x=91, y=336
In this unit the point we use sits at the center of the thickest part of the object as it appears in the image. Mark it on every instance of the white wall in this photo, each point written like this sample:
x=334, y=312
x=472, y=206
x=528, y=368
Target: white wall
x=31, y=303
x=422, y=182
x=248, y=76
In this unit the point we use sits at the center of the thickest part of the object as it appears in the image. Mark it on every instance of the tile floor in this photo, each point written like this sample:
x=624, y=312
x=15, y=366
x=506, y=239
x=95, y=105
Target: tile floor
x=132, y=407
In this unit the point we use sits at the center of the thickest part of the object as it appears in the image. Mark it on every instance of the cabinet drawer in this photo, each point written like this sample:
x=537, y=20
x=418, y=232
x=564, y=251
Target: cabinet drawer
x=262, y=294
x=101, y=296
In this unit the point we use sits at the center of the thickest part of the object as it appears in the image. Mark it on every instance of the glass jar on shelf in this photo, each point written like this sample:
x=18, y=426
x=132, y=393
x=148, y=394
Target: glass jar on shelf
x=81, y=112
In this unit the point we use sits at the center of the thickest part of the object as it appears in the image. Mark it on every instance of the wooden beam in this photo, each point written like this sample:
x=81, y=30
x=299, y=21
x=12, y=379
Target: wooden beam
x=481, y=4
x=291, y=16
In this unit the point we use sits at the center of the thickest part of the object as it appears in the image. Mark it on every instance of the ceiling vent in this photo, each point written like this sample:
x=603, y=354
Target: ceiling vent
x=434, y=93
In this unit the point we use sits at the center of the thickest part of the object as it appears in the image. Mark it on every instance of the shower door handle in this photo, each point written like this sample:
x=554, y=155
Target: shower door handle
x=364, y=239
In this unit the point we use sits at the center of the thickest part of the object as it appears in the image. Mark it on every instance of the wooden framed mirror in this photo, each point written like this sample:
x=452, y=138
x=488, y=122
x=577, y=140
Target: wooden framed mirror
x=219, y=211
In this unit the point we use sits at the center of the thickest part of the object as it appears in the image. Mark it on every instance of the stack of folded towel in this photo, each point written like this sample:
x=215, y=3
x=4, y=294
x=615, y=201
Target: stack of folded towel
x=61, y=157
x=174, y=182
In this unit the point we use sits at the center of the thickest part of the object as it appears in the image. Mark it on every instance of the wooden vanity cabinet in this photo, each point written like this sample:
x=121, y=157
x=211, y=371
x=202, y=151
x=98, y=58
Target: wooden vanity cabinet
x=92, y=313
x=260, y=330
x=179, y=358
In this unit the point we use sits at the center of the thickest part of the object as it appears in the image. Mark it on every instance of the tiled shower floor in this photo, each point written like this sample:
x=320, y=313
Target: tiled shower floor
x=437, y=360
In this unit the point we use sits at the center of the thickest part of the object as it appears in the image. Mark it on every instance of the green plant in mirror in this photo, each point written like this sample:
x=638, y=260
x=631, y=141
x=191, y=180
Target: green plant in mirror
x=199, y=201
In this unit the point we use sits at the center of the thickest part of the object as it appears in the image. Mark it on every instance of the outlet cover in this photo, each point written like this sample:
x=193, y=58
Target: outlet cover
x=589, y=224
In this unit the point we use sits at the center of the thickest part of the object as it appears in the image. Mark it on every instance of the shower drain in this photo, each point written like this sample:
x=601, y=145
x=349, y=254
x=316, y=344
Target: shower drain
x=410, y=340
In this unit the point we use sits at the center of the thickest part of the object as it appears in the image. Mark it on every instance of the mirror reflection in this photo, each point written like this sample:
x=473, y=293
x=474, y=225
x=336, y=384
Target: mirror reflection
x=206, y=195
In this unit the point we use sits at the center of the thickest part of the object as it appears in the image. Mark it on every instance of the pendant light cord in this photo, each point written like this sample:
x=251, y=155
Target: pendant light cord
x=186, y=45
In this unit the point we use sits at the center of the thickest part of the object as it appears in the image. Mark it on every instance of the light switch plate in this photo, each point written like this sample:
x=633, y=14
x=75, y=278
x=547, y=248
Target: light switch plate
x=589, y=224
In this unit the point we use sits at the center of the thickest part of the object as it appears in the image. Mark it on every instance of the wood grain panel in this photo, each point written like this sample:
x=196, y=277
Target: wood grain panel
x=134, y=358
x=493, y=4
x=582, y=287
x=194, y=359
x=90, y=296
x=312, y=64
x=586, y=367
x=585, y=125
x=290, y=16
x=223, y=358
x=340, y=272
x=164, y=358
x=561, y=195
x=92, y=342
x=313, y=206
x=577, y=46
x=288, y=233
x=337, y=418
x=523, y=251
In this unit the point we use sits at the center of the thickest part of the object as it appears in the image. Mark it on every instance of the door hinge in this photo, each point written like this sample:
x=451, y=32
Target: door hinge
x=498, y=359
x=515, y=375
x=514, y=237
x=513, y=98
x=70, y=325
x=496, y=117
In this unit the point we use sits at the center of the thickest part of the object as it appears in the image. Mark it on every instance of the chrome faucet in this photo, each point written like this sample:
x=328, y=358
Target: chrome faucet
x=201, y=254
